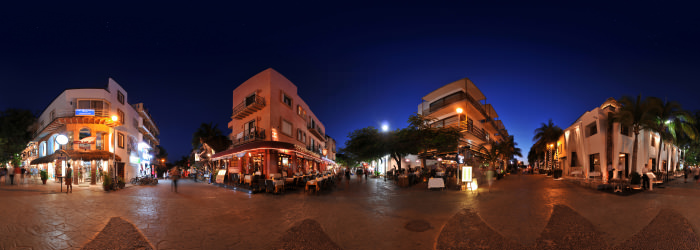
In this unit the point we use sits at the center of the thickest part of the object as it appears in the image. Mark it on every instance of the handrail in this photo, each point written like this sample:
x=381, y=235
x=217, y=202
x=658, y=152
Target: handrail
x=259, y=100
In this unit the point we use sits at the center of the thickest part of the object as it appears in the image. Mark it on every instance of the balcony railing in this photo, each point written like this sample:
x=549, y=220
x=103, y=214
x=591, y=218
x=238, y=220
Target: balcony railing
x=248, y=107
x=256, y=134
x=318, y=132
x=471, y=129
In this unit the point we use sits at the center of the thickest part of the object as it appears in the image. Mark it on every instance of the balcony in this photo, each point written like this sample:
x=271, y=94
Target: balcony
x=248, y=107
x=252, y=135
x=465, y=127
x=318, y=132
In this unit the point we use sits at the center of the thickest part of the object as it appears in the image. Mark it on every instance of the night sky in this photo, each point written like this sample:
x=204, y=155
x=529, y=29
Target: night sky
x=354, y=65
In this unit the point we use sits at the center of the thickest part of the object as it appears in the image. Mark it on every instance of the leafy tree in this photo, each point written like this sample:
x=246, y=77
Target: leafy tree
x=426, y=139
x=400, y=143
x=635, y=113
x=344, y=159
x=212, y=136
x=16, y=130
x=365, y=144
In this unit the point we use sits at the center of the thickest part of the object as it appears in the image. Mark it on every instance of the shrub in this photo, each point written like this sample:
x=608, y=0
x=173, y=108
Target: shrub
x=107, y=182
x=44, y=175
x=557, y=173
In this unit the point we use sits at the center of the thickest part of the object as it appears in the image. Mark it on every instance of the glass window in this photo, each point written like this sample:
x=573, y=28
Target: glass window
x=286, y=128
x=591, y=129
x=120, y=140
x=120, y=97
x=286, y=100
x=84, y=132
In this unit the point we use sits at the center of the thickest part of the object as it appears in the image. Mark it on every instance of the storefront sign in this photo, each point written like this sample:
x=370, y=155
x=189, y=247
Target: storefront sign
x=220, y=176
x=85, y=112
x=466, y=174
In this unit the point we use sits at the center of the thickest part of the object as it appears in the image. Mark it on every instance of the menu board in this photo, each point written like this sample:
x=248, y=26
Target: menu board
x=220, y=176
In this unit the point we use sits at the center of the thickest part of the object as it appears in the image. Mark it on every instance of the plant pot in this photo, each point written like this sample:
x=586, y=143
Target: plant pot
x=43, y=181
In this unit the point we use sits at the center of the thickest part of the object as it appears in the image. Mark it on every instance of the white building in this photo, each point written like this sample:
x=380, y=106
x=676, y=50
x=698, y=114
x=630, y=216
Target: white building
x=591, y=143
x=84, y=116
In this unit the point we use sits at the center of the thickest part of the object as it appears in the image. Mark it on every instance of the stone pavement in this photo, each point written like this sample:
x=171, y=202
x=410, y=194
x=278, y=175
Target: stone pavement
x=529, y=211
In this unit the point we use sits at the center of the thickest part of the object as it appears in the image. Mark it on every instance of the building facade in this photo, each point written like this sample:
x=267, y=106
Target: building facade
x=274, y=130
x=85, y=118
x=462, y=105
x=592, y=142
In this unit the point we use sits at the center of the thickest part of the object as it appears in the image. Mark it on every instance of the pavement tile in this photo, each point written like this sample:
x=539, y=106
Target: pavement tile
x=668, y=230
x=569, y=230
x=467, y=231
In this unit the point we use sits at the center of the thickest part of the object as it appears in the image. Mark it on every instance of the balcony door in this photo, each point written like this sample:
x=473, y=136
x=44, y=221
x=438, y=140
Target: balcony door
x=249, y=129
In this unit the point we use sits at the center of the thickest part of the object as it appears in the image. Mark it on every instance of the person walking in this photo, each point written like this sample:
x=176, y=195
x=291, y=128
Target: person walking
x=347, y=176
x=610, y=172
x=69, y=179
x=490, y=173
x=194, y=174
x=366, y=173
x=696, y=173
x=13, y=172
x=686, y=171
x=175, y=174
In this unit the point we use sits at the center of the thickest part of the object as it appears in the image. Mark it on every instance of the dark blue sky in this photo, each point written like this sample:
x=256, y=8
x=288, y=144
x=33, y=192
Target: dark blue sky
x=355, y=66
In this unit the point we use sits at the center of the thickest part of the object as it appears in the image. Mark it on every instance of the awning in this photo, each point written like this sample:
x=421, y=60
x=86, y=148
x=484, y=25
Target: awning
x=229, y=153
x=76, y=155
x=86, y=140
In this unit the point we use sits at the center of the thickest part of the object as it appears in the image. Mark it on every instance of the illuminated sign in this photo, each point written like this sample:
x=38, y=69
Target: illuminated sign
x=466, y=174
x=85, y=112
x=274, y=134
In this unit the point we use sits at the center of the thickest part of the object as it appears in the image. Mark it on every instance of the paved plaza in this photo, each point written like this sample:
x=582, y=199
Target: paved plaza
x=519, y=212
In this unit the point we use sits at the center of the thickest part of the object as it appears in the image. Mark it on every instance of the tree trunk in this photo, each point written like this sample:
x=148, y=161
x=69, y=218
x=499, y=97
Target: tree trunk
x=658, y=155
x=634, y=152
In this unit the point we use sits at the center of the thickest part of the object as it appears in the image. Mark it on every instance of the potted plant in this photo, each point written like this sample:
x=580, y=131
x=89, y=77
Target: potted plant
x=107, y=182
x=121, y=183
x=44, y=176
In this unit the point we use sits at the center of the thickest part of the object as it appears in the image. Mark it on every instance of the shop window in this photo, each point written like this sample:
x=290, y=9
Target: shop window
x=287, y=128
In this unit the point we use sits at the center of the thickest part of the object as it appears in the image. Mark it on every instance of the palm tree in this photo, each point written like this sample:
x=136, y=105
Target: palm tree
x=509, y=149
x=211, y=135
x=546, y=134
x=634, y=113
x=670, y=122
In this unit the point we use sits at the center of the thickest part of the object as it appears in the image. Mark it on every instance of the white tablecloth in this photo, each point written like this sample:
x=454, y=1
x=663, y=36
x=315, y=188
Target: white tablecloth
x=436, y=183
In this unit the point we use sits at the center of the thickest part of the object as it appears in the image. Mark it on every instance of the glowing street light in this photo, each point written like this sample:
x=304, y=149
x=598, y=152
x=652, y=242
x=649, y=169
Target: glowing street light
x=385, y=127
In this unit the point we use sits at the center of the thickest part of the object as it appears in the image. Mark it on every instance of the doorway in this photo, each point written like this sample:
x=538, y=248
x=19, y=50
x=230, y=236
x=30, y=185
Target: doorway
x=624, y=163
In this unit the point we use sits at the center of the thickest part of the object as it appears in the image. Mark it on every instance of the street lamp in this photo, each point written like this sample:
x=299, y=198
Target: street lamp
x=385, y=128
x=115, y=118
x=459, y=126
x=62, y=140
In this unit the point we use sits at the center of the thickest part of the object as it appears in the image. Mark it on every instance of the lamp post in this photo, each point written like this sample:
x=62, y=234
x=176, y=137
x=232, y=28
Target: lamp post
x=459, y=126
x=61, y=140
x=115, y=118
x=385, y=128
